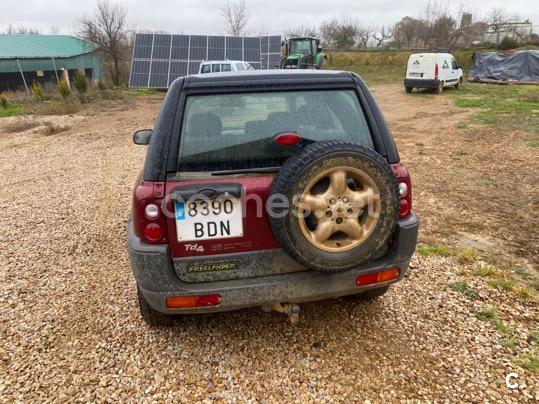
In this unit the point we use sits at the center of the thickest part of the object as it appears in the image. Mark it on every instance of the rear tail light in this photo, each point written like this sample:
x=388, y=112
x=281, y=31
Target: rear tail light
x=148, y=220
x=405, y=189
x=376, y=277
x=287, y=139
x=187, y=302
x=435, y=71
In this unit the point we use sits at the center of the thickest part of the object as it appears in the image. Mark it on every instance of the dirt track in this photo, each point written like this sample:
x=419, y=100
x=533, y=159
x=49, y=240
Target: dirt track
x=69, y=322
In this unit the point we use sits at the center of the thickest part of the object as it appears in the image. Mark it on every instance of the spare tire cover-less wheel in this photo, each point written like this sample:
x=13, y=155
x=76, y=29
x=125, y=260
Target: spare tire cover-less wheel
x=343, y=201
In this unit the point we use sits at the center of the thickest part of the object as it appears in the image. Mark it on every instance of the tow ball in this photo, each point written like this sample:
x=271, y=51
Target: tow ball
x=290, y=309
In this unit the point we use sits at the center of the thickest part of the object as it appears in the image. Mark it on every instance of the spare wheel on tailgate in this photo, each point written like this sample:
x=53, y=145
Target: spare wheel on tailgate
x=343, y=205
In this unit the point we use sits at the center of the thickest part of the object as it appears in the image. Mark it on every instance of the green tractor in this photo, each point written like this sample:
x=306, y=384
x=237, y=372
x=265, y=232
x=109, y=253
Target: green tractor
x=303, y=53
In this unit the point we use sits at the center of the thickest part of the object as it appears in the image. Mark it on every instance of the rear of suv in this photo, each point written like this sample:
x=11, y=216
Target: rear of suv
x=267, y=188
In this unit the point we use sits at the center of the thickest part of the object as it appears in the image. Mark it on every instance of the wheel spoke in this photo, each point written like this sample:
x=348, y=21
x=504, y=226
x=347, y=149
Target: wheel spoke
x=361, y=199
x=337, y=183
x=313, y=203
x=323, y=231
x=352, y=228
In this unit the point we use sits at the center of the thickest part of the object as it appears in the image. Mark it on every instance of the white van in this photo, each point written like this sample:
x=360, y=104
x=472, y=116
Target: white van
x=215, y=66
x=432, y=70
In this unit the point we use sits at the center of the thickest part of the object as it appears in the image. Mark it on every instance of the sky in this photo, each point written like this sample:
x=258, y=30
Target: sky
x=265, y=16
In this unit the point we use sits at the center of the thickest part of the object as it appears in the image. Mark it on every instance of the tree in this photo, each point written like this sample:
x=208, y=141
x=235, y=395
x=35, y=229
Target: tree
x=21, y=29
x=236, y=17
x=301, y=31
x=339, y=34
x=363, y=35
x=328, y=31
x=381, y=35
x=108, y=29
x=406, y=32
x=497, y=19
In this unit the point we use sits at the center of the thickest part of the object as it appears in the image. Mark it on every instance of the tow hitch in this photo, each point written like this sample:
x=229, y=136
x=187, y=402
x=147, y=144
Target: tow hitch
x=291, y=310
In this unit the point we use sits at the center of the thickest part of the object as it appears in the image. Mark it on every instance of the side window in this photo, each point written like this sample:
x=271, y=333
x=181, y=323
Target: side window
x=225, y=67
x=216, y=67
x=205, y=69
x=455, y=64
x=240, y=66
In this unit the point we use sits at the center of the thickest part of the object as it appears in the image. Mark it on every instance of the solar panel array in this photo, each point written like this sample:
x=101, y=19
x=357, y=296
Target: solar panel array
x=158, y=59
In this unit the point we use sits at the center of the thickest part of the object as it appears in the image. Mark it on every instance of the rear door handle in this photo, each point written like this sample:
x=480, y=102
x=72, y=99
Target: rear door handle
x=207, y=191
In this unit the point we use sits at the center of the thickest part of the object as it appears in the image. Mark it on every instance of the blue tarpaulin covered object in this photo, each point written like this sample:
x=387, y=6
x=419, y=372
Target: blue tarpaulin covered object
x=519, y=67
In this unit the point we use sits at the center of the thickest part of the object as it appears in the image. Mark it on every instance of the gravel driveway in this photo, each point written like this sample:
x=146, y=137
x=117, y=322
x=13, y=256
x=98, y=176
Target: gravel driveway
x=70, y=328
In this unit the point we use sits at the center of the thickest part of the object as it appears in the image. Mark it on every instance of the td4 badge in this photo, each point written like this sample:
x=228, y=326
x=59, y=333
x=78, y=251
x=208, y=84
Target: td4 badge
x=194, y=247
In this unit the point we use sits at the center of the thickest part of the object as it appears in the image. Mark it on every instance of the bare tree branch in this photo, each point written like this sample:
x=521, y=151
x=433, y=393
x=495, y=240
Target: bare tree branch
x=381, y=35
x=108, y=29
x=236, y=17
x=21, y=29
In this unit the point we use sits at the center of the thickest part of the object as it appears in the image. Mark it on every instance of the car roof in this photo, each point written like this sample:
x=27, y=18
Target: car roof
x=223, y=61
x=265, y=80
x=269, y=74
x=430, y=54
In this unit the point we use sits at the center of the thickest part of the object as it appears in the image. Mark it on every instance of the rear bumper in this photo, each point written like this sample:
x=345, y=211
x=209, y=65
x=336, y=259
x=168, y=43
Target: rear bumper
x=421, y=83
x=155, y=275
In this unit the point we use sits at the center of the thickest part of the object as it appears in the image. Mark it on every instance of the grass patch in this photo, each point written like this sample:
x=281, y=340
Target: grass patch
x=485, y=315
x=20, y=125
x=501, y=283
x=483, y=270
x=524, y=293
x=467, y=256
x=499, y=325
x=54, y=108
x=491, y=316
x=531, y=363
x=534, y=337
x=144, y=92
x=50, y=128
x=434, y=250
x=463, y=287
x=511, y=106
x=11, y=110
x=511, y=342
x=488, y=181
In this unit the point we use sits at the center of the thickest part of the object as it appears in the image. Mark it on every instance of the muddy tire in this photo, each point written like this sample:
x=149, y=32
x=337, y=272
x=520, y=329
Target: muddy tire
x=459, y=84
x=150, y=316
x=409, y=89
x=343, y=205
x=440, y=88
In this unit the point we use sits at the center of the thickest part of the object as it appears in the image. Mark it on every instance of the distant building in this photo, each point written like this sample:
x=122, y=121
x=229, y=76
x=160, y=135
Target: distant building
x=471, y=31
x=25, y=59
x=519, y=30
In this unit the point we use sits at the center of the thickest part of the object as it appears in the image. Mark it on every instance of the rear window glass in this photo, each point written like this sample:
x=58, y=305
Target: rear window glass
x=235, y=131
x=240, y=66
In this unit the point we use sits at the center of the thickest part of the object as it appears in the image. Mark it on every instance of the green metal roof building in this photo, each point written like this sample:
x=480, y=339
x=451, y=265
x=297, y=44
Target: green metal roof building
x=25, y=59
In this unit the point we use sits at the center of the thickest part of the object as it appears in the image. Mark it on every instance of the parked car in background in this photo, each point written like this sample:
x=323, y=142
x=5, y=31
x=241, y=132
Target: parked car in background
x=217, y=66
x=268, y=188
x=432, y=70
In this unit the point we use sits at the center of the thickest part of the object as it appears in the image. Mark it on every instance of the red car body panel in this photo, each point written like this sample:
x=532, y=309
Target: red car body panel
x=257, y=234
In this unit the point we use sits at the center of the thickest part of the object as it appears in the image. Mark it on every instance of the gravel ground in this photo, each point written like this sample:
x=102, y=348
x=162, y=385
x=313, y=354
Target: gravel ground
x=70, y=328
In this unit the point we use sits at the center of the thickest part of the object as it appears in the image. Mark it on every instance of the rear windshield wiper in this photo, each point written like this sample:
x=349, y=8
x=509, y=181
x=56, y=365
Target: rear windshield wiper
x=247, y=171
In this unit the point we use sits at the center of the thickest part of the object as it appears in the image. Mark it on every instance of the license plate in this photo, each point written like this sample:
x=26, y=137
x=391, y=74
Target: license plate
x=209, y=219
x=416, y=74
